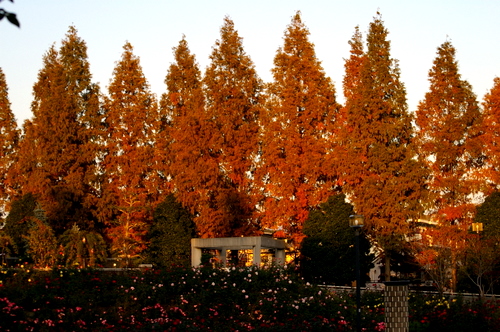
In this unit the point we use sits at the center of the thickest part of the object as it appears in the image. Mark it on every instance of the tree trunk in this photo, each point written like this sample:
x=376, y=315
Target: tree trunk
x=387, y=267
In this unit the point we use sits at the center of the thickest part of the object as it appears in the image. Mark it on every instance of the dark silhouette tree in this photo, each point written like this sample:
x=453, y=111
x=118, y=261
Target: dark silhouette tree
x=170, y=235
x=17, y=222
x=82, y=248
x=327, y=250
x=481, y=262
x=297, y=127
x=488, y=213
x=6, y=243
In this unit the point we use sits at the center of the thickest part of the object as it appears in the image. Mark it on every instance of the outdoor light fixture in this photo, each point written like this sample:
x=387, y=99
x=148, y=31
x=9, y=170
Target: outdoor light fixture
x=477, y=227
x=357, y=221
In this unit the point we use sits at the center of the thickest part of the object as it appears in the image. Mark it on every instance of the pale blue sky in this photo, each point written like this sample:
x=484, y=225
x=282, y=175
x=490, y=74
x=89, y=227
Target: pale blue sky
x=154, y=27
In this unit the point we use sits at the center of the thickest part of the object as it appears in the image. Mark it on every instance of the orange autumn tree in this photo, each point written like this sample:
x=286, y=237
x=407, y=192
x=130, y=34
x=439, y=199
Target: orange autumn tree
x=179, y=140
x=352, y=66
x=438, y=251
x=233, y=102
x=9, y=139
x=448, y=121
x=57, y=157
x=183, y=151
x=296, y=129
x=374, y=157
x=491, y=136
x=128, y=192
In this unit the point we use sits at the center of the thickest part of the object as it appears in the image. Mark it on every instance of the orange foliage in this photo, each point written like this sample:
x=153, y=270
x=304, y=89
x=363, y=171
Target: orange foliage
x=128, y=189
x=233, y=105
x=373, y=153
x=57, y=149
x=295, y=147
x=448, y=138
x=243, y=156
x=491, y=130
x=9, y=140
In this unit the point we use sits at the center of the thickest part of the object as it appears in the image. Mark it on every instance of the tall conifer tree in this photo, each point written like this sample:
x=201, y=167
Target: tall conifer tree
x=183, y=150
x=90, y=115
x=128, y=192
x=375, y=160
x=9, y=139
x=56, y=158
x=448, y=121
x=353, y=65
x=298, y=124
x=233, y=102
x=179, y=139
x=491, y=137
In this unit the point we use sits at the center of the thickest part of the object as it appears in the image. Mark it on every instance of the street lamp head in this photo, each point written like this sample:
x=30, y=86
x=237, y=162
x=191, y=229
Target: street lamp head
x=477, y=227
x=356, y=221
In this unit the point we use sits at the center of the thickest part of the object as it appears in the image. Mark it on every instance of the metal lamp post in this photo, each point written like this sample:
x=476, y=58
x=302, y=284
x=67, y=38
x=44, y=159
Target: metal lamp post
x=357, y=221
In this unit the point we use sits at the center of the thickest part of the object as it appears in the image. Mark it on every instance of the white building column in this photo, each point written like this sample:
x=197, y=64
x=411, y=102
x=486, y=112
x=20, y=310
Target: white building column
x=279, y=256
x=256, y=253
x=195, y=255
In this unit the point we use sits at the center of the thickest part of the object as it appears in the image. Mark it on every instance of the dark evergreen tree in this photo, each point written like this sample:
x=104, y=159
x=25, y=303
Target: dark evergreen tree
x=17, y=222
x=328, y=251
x=488, y=213
x=170, y=235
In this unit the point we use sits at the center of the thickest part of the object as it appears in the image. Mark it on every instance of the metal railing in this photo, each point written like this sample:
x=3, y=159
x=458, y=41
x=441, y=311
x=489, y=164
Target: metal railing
x=379, y=287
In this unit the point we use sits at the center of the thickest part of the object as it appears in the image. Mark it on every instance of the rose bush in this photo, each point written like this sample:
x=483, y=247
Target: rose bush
x=206, y=299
